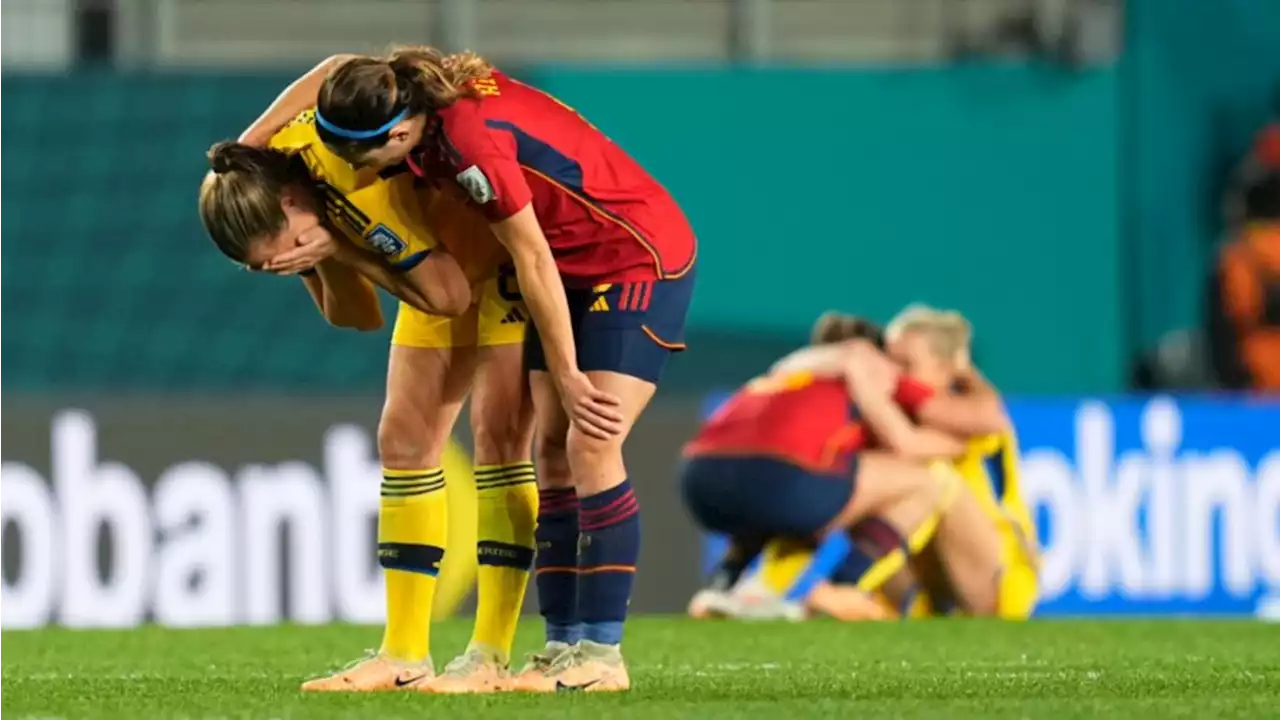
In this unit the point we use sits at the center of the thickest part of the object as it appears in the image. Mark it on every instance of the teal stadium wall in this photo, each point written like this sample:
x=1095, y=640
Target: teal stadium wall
x=858, y=190
x=108, y=282
x=1071, y=215
x=991, y=189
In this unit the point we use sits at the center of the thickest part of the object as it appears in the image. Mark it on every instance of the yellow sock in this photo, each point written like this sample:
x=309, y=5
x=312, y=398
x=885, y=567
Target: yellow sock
x=783, y=563
x=412, y=530
x=508, y=511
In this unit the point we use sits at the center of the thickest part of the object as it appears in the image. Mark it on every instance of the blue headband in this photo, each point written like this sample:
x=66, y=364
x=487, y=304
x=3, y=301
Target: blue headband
x=360, y=134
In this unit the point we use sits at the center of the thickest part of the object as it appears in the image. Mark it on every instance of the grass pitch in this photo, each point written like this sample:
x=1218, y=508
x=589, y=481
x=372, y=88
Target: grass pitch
x=681, y=669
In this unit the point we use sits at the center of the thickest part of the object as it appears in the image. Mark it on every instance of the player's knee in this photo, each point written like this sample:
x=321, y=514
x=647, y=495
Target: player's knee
x=408, y=442
x=587, y=449
x=552, y=458
x=596, y=464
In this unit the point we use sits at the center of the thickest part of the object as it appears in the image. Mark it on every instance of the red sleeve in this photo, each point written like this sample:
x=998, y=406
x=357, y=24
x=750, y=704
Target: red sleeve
x=911, y=394
x=485, y=162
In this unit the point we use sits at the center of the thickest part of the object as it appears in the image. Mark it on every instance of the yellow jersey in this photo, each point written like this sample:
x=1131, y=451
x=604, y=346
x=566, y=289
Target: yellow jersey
x=386, y=216
x=990, y=470
x=388, y=212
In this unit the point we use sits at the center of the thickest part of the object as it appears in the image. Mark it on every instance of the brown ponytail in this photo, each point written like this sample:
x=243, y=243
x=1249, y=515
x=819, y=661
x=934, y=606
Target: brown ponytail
x=834, y=327
x=240, y=196
x=439, y=80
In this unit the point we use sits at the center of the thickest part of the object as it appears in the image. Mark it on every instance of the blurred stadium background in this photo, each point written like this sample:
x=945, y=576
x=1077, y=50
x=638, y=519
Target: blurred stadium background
x=192, y=445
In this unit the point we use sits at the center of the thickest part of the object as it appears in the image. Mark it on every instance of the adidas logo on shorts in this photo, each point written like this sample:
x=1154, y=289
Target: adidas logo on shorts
x=514, y=316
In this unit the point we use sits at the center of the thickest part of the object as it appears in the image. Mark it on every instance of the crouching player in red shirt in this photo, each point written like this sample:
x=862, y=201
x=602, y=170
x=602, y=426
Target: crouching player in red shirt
x=605, y=261
x=820, y=442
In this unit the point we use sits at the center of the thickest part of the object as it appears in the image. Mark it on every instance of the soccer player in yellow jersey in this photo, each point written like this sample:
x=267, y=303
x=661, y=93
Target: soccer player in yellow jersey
x=460, y=322
x=934, y=347
x=996, y=571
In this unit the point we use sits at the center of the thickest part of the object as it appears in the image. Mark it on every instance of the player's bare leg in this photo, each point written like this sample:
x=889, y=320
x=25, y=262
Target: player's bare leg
x=502, y=421
x=968, y=546
x=556, y=564
x=609, y=543
x=425, y=391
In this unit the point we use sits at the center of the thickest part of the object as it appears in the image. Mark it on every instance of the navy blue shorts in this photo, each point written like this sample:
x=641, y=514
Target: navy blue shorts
x=762, y=496
x=629, y=328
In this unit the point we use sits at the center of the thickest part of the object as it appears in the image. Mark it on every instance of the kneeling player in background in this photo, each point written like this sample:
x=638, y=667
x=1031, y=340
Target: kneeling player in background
x=935, y=347
x=788, y=456
x=999, y=579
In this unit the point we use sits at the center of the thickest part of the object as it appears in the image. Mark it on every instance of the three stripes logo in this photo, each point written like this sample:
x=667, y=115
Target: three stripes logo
x=515, y=315
x=632, y=297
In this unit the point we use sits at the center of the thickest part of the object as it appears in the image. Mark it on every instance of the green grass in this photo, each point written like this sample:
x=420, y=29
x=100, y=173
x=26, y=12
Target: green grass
x=680, y=669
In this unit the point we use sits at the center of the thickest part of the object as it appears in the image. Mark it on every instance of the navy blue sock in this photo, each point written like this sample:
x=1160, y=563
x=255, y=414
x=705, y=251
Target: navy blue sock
x=556, y=564
x=855, y=565
x=610, y=527
x=742, y=552
x=872, y=540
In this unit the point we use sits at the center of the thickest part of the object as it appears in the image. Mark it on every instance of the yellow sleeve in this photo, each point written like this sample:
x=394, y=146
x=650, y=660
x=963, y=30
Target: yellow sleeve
x=298, y=134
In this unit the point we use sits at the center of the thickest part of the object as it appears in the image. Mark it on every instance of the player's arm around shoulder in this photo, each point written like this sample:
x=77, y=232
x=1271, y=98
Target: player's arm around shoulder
x=301, y=95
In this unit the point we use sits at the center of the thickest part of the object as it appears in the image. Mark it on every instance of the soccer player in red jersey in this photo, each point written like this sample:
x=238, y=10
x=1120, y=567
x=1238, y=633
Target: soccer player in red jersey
x=605, y=260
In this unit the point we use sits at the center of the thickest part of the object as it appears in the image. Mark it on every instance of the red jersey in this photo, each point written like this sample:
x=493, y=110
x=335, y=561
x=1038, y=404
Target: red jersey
x=605, y=218
x=802, y=419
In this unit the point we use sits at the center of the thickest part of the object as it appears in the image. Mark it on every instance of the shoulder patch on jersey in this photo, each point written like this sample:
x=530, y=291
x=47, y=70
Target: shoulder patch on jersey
x=384, y=240
x=473, y=180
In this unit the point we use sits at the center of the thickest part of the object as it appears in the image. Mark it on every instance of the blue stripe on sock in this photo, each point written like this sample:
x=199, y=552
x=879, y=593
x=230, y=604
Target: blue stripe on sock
x=604, y=633
x=568, y=634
